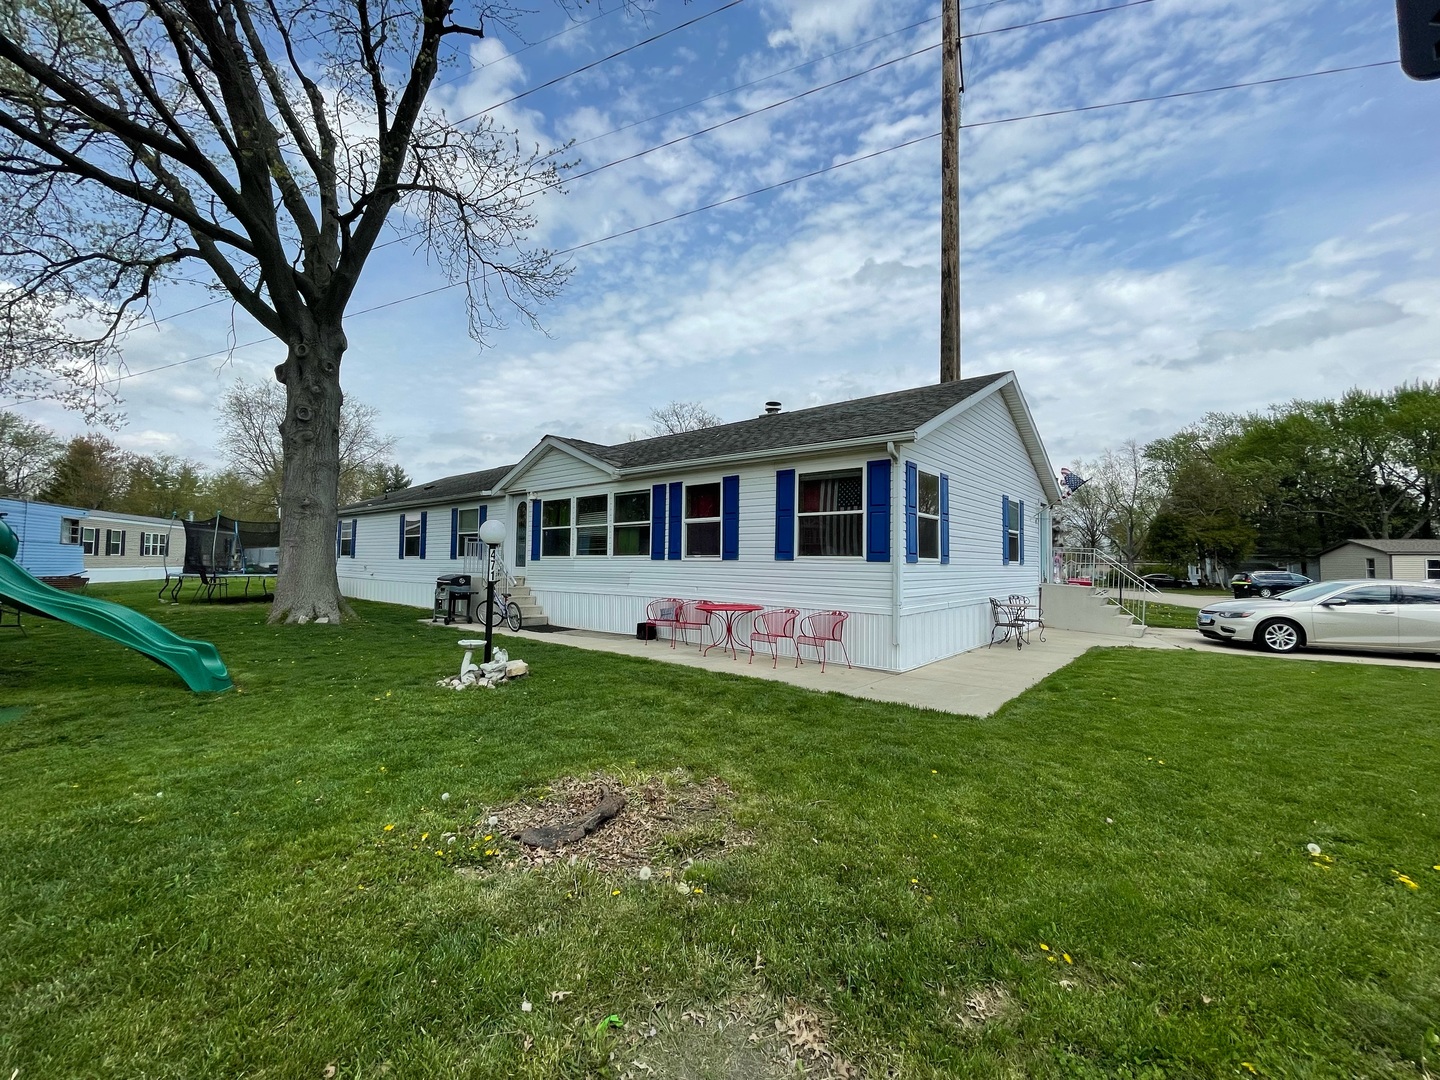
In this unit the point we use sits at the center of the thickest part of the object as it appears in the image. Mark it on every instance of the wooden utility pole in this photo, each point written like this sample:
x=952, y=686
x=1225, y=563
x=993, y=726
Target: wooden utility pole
x=950, y=89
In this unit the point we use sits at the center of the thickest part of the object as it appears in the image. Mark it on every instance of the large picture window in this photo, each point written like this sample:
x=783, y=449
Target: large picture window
x=1012, y=532
x=592, y=525
x=412, y=538
x=832, y=513
x=632, y=523
x=928, y=515
x=467, y=533
x=555, y=527
x=702, y=520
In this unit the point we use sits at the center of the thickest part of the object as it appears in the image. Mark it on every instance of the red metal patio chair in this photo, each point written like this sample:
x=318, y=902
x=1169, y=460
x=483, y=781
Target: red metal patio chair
x=818, y=631
x=773, y=626
x=691, y=618
x=664, y=612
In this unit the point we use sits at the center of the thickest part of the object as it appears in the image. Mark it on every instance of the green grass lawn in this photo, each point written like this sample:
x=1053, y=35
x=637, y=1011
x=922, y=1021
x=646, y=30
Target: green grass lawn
x=203, y=886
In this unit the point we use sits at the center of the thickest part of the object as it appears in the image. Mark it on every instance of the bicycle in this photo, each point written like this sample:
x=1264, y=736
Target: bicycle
x=506, y=611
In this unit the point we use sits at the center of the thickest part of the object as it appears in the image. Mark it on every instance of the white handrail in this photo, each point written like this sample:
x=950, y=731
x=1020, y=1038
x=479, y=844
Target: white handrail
x=1103, y=574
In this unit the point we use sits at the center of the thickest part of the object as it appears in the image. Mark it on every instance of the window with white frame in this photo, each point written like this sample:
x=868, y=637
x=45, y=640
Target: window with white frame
x=114, y=541
x=1012, y=532
x=1369, y=567
x=592, y=525
x=928, y=515
x=467, y=533
x=70, y=530
x=632, y=523
x=702, y=520
x=832, y=513
x=412, y=538
x=90, y=541
x=154, y=543
x=1432, y=569
x=555, y=527
x=347, y=538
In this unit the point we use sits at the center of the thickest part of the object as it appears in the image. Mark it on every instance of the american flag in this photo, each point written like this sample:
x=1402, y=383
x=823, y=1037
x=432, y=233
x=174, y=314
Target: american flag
x=1072, y=483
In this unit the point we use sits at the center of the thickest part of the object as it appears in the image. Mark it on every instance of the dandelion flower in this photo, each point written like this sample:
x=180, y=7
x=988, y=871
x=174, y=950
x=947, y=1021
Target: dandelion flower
x=1406, y=881
x=389, y=828
x=424, y=836
x=1247, y=1065
x=699, y=891
x=614, y=892
x=1044, y=947
x=1067, y=958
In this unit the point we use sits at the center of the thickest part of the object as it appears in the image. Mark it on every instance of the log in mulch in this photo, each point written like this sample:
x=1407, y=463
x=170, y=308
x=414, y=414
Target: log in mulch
x=660, y=821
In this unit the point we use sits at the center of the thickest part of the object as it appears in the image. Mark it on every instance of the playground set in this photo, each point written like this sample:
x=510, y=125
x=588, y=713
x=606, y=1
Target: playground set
x=196, y=662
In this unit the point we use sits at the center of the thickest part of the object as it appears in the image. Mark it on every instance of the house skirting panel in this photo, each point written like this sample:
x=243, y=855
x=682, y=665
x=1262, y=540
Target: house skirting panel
x=928, y=636
x=407, y=593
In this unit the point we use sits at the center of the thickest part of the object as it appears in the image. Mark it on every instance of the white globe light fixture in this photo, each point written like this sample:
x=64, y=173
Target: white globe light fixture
x=492, y=535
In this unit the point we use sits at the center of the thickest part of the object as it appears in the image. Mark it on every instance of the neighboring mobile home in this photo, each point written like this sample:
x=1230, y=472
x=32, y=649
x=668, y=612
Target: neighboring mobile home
x=908, y=510
x=1403, y=560
x=59, y=541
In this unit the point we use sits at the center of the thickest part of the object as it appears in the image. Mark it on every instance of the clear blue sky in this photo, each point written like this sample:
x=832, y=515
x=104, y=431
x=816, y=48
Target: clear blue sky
x=1136, y=266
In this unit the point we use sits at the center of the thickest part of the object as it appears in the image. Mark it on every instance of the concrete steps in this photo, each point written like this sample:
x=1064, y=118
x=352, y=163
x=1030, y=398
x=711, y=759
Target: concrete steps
x=1077, y=607
x=531, y=613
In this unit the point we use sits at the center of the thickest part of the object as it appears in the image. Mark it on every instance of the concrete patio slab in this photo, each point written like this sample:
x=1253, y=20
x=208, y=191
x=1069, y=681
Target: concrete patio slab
x=976, y=683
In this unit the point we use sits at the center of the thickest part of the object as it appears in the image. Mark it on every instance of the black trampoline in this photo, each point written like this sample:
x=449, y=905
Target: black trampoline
x=221, y=552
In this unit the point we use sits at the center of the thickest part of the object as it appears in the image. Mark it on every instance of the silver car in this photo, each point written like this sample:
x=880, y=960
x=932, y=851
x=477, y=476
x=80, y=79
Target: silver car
x=1391, y=616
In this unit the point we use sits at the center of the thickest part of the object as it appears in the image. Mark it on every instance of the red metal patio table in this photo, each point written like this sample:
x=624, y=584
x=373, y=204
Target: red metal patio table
x=730, y=612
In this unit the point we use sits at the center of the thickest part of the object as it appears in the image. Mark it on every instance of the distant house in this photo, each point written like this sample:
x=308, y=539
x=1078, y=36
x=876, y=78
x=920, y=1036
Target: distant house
x=908, y=510
x=1402, y=560
x=57, y=541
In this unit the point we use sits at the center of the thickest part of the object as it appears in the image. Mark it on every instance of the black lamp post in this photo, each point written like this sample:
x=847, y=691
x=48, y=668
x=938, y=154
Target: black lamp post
x=492, y=535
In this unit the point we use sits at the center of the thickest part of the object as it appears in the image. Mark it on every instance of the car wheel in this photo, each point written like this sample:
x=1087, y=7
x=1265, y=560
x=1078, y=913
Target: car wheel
x=1266, y=593
x=1280, y=636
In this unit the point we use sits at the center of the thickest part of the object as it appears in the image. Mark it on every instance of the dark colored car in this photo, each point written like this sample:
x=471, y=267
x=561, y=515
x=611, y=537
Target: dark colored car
x=1266, y=583
x=1166, y=581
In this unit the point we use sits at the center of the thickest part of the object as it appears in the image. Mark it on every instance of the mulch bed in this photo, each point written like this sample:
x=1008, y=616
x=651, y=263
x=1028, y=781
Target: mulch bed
x=666, y=823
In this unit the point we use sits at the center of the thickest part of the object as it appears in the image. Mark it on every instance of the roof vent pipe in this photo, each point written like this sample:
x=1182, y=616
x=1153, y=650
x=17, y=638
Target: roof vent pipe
x=771, y=408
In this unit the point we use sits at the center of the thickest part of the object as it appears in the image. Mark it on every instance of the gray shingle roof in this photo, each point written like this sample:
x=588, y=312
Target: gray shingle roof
x=883, y=414
x=1396, y=547
x=463, y=486
x=872, y=417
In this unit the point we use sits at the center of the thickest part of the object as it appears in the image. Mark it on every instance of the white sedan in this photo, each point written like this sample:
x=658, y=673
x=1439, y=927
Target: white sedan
x=1390, y=616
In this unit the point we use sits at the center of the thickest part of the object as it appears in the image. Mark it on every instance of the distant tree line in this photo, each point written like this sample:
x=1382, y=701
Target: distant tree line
x=1285, y=483
x=94, y=473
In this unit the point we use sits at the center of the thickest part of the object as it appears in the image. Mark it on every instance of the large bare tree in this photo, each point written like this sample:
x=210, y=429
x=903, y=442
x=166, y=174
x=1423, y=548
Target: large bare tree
x=260, y=146
x=249, y=419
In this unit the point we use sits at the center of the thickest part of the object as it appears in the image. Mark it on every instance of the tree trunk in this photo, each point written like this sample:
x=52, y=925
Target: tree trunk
x=307, y=588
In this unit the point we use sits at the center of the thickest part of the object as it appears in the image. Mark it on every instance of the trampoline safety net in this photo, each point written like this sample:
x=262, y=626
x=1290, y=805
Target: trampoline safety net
x=222, y=545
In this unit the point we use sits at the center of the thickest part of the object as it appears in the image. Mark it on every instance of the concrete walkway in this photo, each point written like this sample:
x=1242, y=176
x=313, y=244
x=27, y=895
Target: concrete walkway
x=976, y=683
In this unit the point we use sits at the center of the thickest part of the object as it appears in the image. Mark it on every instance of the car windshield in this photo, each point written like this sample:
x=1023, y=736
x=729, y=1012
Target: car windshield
x=1313, y=591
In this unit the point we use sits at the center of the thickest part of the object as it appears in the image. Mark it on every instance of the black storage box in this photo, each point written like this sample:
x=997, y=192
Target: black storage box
x=645, y=631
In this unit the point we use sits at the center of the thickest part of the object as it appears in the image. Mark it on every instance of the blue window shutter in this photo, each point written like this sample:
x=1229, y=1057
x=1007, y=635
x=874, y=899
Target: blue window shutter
x=354, y=535
x=677, y=517
x=454, y=531
x=424, y=525
x=1022, y=532
x=785, y=515
x=534, y=529
x=402, y=536
x=730, y=517
x=944, y=518
x=877, y=511
x=484, y=515
x=912, y=512
x=337, y=539
x=1004, y=530
x=657, y=522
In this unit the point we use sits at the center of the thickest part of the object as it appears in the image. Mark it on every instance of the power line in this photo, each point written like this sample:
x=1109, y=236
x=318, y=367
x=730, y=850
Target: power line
x=1180, y=94
x=596, y=63
x=786, y=183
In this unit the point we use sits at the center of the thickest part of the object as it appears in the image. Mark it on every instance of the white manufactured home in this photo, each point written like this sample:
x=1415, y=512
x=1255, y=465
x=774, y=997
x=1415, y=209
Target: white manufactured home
x=908, y=510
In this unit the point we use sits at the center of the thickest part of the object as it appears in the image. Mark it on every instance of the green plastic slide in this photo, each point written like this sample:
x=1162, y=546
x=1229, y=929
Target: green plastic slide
x=197, y=662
